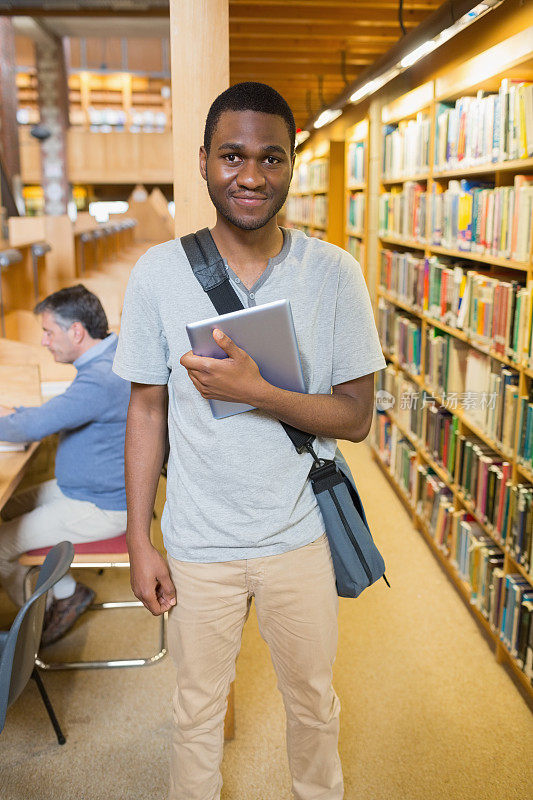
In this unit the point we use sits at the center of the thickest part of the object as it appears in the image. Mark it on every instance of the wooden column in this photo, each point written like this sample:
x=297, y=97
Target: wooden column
x=53, y=108
x=9, y=143
x=199, y=50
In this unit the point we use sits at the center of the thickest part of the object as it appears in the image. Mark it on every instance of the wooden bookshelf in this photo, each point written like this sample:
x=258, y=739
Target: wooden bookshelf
x=514, y=59
x=136, y=102
x=316, y=197
x=356, y=191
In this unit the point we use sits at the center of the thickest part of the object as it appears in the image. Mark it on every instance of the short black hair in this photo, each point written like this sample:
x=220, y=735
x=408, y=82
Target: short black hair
x=249, y=96
x=76, y=304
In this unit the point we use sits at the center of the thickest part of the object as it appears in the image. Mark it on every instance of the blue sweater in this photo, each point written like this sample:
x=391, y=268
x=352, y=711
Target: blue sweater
x=90, y=417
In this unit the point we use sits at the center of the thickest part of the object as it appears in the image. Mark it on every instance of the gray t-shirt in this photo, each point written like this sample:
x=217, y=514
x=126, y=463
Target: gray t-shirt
x=236, y=486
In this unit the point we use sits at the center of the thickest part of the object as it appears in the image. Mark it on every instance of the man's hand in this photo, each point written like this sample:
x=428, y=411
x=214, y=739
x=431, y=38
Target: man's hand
x=150, y=579
x=236, y=378
x=5, y=410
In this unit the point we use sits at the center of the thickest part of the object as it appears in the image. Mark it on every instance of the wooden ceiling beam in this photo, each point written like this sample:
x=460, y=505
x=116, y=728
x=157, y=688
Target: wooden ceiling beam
x=309, y=69
x=293, y=12
x=265, y=47
x=242, y=43
x=332, y=5
x=309, y=30
x=297, y=60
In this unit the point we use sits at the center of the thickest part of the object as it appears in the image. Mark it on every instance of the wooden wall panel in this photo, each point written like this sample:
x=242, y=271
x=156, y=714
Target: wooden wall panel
x=30, y=156
x=24, y=51
x=94, y=50
x=156, y=157
x=119, y=157
x=145, y=55
x=74, y=49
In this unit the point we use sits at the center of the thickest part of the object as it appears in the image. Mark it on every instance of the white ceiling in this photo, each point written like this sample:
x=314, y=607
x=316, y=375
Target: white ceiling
x=103, y=27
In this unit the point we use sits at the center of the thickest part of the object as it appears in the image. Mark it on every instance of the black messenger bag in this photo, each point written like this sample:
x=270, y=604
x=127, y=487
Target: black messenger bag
x=356, y=560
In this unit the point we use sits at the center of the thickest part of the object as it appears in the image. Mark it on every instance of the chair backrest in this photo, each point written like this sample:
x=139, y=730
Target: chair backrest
x=22, y=643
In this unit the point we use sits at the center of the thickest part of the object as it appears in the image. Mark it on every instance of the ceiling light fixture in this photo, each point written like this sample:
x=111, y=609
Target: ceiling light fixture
x=418, y=53
x=405, y=62
x=302, y=137
x=326, y=117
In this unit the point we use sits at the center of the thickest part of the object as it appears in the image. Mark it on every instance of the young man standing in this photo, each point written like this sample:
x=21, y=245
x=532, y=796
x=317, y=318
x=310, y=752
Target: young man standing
x=241, y=519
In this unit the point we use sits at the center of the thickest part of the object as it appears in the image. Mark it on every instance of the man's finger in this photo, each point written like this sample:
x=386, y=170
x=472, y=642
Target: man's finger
x=223, y=341
x=196, y=383
x=151, y=603
x=190, y=361
x=167, y=590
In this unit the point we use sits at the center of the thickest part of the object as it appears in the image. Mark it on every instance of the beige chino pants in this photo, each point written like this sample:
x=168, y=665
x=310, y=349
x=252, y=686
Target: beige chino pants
x=296, y=604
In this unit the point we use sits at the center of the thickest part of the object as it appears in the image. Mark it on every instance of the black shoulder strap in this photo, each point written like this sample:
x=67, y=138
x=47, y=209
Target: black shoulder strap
x=210, y=271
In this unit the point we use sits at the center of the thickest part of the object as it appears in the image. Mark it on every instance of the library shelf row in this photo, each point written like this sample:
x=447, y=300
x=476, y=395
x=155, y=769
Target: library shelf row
x=456, y=332
x=356, y=187
x=496, y=261
x=401, y=242
x=485, y=168
x=300, y=224
x=411, y=375
x=464, y=418
x=468, y=255
x=309, y=192
x=443, y=473
x=392, y=180
x=511, y=59
x=461, y=585
x=422, y=526
x=501, y=651
x=458, y=494
x=402, y=494
x=525, y=472
x=353, y=232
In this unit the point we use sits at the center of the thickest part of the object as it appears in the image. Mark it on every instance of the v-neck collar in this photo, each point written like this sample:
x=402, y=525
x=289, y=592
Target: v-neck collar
x=285, y=247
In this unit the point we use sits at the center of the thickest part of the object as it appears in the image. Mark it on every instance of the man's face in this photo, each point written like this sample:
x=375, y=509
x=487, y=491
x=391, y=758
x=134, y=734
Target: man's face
x=60, y=342
x=249, y=167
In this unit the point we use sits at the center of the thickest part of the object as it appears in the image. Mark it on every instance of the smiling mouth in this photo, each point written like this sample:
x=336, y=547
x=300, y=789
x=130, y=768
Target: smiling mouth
x=249, y=201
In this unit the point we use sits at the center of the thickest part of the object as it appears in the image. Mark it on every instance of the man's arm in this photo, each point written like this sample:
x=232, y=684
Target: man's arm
x=144, y=453
x=345, y=414
x=76, y=406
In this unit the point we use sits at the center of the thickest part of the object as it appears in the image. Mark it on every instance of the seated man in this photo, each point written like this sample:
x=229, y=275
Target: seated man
x=87, y=500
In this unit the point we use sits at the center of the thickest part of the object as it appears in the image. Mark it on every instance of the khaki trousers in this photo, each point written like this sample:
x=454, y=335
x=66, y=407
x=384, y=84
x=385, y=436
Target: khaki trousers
x=41, y=517
x=296, y=604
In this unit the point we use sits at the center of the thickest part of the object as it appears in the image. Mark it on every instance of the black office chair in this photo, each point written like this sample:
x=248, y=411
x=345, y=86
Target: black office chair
x=19, y=646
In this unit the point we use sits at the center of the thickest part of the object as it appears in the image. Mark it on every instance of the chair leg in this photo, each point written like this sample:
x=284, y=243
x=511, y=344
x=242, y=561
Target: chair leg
x=48, y=705
x=48, y=666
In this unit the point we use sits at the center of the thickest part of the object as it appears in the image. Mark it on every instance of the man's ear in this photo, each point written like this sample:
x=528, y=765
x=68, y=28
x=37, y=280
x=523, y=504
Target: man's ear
x=78, y=331
x=203, y=162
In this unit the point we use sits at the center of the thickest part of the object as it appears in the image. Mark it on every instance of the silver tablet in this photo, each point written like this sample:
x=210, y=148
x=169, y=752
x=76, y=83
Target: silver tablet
x=267, y=334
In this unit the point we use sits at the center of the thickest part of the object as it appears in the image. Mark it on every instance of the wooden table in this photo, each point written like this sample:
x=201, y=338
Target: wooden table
x=12, y=469
x=19, y=385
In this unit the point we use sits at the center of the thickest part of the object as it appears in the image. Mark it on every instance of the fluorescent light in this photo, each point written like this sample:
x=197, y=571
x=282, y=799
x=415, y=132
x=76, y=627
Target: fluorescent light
x=368, y=88
x=374, y=85
x=326, y=117
x=302, y=137
x=418, y=53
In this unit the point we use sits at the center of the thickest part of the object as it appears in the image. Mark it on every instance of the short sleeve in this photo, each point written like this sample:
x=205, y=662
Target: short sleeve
x=142, y=351
x=356, y=347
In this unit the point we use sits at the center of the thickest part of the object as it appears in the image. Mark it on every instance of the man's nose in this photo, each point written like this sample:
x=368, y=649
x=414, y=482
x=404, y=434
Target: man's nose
x=251, y=176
